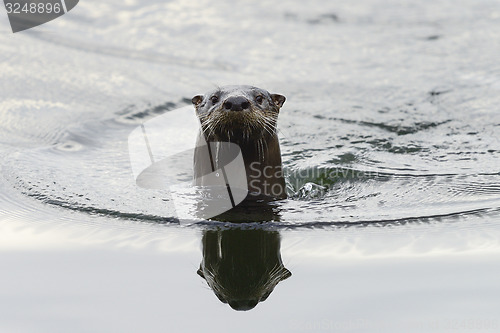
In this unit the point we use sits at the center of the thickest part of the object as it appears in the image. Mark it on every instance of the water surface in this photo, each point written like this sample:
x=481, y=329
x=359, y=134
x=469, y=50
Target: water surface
x=389, y=135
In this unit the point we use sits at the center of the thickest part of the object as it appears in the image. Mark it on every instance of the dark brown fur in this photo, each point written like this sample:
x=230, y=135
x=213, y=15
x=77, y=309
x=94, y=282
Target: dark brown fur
x=253, y=129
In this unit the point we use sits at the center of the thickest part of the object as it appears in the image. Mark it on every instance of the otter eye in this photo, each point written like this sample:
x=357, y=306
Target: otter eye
x=259, y=99
x=214, y=99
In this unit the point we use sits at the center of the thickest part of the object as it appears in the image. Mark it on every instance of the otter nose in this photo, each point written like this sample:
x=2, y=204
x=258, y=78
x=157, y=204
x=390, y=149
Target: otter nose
x=236, y=103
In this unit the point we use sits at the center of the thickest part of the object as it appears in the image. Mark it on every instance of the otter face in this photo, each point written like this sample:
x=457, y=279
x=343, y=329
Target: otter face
x=236, y=113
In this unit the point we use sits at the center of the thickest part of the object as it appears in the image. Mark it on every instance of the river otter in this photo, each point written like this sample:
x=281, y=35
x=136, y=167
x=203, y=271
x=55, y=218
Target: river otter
x=245, y=116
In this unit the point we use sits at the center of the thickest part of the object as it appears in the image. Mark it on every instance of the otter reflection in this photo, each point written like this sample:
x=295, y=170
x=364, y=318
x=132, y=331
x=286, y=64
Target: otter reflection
x=242, y=266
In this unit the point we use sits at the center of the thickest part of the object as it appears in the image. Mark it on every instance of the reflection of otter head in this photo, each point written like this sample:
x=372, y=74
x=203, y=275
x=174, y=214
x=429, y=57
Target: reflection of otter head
x=242, y=266
x=238, y=113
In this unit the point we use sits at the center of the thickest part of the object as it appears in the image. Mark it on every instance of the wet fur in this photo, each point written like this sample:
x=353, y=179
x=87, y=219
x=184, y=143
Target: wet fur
x=254, y=130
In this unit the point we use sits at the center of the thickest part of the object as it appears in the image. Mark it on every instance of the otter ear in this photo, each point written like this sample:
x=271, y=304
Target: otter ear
x=286, y=274
x=278, y=99
x=197, y=99
x=200, y=272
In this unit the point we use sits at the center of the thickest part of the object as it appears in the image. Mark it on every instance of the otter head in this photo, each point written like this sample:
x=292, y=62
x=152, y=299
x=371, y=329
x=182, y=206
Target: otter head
x=238, y=113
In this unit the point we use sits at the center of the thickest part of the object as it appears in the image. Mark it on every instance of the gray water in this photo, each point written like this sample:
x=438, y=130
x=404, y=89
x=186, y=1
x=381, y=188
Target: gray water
x=390, y=137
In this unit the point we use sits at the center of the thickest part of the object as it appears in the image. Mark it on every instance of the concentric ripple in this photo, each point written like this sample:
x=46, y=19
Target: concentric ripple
x=88, y=170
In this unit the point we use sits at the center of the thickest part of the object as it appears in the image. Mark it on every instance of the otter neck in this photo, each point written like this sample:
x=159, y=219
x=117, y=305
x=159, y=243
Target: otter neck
x=262, y=151
x=263, y=167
